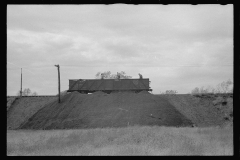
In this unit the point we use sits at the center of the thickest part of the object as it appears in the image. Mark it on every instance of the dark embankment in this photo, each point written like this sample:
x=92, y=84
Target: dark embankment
x=106, y=110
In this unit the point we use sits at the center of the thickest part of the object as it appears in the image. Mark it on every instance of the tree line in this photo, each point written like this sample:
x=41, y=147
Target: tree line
x=224, y=87
x=27, y=92
x=109, y=75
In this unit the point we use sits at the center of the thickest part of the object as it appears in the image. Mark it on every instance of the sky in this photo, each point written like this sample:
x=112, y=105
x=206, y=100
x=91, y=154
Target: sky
x=178, y=47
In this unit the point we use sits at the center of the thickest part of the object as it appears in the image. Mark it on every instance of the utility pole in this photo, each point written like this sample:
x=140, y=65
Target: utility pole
x=58, y=83
x=21, y=84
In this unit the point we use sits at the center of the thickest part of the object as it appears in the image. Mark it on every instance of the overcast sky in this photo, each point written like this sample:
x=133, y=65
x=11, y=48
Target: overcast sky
x=178, y=47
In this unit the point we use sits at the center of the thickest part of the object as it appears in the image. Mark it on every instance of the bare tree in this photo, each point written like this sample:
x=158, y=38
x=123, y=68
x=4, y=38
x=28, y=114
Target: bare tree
x=108, y=75
x=202, y=90
x=170, y=92
x=27, y=92
x=223, y=87
x=124, y=76
x=104, y=75
x=34, y=94
x=209, y=89
x=195, y=91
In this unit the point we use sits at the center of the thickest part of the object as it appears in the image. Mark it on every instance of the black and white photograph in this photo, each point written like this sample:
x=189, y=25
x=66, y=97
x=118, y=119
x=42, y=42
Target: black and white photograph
x=119, y=79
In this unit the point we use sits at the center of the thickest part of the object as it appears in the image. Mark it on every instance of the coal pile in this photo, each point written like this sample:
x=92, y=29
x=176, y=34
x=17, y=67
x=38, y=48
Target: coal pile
x=100, y=110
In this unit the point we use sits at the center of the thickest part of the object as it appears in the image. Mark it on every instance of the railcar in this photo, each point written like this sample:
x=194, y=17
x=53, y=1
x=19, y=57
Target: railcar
x=108, y=85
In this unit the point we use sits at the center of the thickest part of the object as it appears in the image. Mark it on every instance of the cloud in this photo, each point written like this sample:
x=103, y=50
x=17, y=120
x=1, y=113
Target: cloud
x=122, y=49
x=149, y=39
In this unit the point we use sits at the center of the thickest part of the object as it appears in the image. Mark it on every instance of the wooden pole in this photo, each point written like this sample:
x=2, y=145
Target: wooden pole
x=21, y=84
x=58, y=83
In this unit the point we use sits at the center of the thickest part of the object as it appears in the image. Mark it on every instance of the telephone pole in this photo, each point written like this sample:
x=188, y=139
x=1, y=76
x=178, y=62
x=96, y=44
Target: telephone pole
x=58, y=83
x=21, y=84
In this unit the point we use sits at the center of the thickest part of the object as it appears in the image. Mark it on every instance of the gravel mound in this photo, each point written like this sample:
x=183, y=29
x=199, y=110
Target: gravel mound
x=10, y=101
x=203, y=111
x=114, y=110
x=23, y=108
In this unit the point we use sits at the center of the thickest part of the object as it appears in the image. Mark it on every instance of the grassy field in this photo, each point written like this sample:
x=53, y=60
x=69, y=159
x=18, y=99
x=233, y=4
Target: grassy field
x=135, y=140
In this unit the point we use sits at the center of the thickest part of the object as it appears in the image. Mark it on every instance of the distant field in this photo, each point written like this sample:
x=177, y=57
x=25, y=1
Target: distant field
x=135, y=140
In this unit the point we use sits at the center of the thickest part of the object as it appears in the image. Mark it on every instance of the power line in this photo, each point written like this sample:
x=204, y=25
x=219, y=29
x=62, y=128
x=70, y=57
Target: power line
x=166, y=66
x=169, y=66
x=31, y=67
x=199, y=66
x=40, y=67
x=13, y=68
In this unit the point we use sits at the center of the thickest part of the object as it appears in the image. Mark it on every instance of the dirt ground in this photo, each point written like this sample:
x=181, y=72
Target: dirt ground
x=107, y=110
x=204, y=111
x=10, y=101
x=119, y=109
x=23, y=108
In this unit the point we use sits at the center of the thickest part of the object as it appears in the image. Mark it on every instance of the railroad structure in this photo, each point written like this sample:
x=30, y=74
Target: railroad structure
x=108, y=85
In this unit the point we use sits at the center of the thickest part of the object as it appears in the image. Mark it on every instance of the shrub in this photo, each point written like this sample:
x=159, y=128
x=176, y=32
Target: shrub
x=170, y=92
x=223, y=87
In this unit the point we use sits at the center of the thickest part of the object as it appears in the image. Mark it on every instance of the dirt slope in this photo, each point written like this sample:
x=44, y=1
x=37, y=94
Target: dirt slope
x=203, y=110
x=106, y=110
x=23, y=108
x=10, y=101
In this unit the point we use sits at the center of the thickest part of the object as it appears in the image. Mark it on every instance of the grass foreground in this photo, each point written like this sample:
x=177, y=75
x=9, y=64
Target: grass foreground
x=133, y=140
